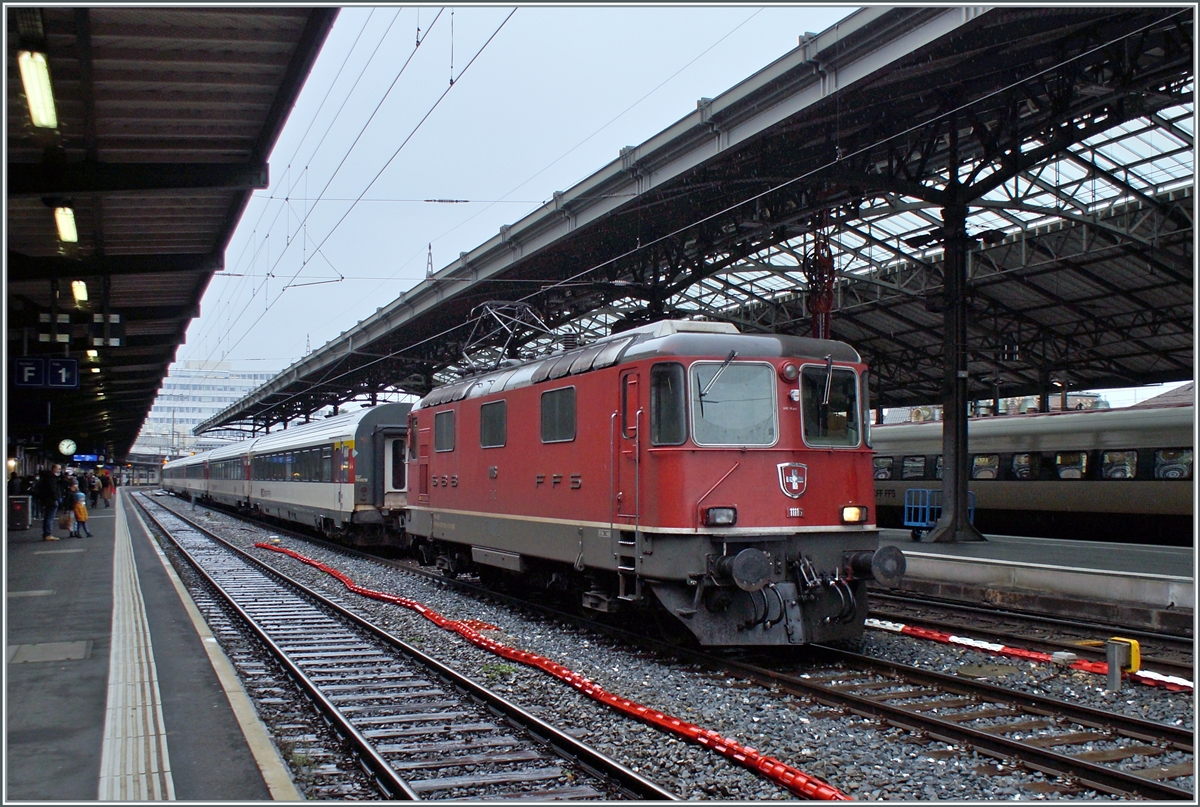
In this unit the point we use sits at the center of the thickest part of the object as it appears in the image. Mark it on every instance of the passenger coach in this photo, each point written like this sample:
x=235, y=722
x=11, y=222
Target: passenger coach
x=1099, y=475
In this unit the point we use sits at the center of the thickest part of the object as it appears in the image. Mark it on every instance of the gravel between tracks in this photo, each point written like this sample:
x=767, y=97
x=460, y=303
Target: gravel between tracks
x=858, y=756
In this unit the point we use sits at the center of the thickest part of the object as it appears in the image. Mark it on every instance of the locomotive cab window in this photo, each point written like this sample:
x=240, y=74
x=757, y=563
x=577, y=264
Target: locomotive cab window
x=493, y=424
x=443, y=431
x=883, y=467
x=913, y=468
x=1118, y=465
x=1173, y=463
x=558, y=415
x=668, y=418
x=985, y=466
x=733, y=404
x=831, y=410
x=1071, y=464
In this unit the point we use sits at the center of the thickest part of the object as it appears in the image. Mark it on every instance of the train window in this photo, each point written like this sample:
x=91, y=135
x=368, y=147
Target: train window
x=493, y=424
x=1118, y=465
x=883, y=467
x=985, y=466
x=398, y=465
x=830, y=405
x=1024, y=466
x=937, y=468
x=327, y=464
x=1071, y=464
x=913, y=468
x=668, y=418
x=558, y=415
x=1173, y=463
x=443, y=431
x=733, y=404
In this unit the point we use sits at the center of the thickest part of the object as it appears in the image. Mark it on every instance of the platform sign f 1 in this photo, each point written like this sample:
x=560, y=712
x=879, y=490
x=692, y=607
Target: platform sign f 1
x=62, y=373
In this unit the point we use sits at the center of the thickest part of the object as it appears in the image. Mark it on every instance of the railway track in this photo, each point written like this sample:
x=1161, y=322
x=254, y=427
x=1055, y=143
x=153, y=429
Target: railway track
x=1090, y=748
x=420, y=729
x=1079, y=749
x=1164, y=653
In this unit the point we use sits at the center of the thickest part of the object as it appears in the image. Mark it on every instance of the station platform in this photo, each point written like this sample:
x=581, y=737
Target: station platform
x=1151, y=587
x=115, y=689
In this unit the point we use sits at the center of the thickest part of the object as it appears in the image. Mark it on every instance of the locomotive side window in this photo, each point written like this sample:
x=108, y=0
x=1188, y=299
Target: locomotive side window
x=558, y=415
x=883, y=467
x=493, y=424
x=1024, y=466
x=668, y=416
x=1071, y=464
x=443, y=431
x=1173, y=463
x=913, y=468
x=412, y=443
x=830, y=406
x=985, y=466
x=1118, y=465
x=733, y=404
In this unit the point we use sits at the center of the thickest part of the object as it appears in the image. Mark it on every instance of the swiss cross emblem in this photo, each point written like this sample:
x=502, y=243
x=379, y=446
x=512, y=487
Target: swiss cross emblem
x=793, y=477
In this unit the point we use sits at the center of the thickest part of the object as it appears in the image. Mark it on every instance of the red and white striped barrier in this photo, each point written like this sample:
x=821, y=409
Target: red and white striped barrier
x=782, y=774
x=1171, y=682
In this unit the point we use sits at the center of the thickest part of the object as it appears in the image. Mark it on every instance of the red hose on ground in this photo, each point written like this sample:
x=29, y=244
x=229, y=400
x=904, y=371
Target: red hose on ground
x=794, y=780
x=1170, y=682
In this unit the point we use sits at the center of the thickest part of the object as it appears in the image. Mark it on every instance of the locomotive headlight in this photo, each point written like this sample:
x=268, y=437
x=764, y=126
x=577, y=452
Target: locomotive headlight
x=854, y=514
x=789, y=372
x=720, y=516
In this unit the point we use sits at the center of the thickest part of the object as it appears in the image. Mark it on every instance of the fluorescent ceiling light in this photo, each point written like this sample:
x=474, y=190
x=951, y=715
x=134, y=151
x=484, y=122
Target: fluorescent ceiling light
x=64, y=217
x=79, y=289
x=35, y=75
x=95, y=369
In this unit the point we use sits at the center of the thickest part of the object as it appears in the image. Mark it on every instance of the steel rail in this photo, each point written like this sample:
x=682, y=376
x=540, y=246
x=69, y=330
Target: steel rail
x=566, y=746
x=1090, y=774
x=1093, y=775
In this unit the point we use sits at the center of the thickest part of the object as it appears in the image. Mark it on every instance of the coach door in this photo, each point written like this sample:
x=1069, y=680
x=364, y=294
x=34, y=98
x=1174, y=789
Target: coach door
x=394, y=469
x=627, y=502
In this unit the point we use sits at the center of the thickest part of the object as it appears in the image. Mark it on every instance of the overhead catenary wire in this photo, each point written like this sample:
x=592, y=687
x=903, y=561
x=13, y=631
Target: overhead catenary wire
x=447, y=332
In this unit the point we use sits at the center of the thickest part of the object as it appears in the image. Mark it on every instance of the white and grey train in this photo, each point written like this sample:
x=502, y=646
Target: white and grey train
x=343, y=476
x=1121, y=475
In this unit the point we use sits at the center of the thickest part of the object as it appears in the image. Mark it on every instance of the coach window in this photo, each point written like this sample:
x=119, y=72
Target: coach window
x=913, y=468
x=668, y=421
x=443, y=431
x=985, y=466
x=327, y=464
x=558, y=415
x=1118, y=465
x=883, y=467
x=493, y=424
x=1070, y=464
x=1024, y=466
x=937, y=470
x=1173, y=463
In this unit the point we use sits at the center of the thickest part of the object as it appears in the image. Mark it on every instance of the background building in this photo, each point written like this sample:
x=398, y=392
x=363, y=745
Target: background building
x=193, y=391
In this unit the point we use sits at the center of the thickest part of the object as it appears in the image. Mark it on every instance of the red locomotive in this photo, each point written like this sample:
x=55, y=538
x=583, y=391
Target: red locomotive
x=727, y=475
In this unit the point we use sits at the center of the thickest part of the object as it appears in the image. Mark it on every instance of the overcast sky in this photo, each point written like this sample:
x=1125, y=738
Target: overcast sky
x=550, y=100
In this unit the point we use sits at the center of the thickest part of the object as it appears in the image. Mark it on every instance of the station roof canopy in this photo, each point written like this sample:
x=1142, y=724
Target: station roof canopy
x=160, y=126
x=1066, y=134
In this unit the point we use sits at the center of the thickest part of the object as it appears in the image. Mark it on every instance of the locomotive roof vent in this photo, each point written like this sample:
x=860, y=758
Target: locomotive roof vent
x=667, y=327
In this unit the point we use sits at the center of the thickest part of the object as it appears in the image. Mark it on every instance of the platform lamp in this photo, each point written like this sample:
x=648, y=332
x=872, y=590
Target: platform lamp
x=35, y=76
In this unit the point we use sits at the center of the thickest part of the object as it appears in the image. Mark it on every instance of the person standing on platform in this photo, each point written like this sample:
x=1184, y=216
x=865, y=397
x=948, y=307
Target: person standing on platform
x=93, y=487
x=48, y=498
x=80, y=511
x=106, y=488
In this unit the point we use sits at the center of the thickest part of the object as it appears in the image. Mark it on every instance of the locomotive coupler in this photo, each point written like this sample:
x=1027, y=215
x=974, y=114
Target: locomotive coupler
x=886, y=565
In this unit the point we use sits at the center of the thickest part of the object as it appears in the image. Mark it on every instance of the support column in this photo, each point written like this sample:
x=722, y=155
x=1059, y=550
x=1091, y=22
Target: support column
x=955, y=526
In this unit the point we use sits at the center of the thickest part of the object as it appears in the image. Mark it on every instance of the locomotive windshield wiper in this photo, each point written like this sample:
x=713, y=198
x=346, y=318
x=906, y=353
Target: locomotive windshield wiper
x=732, y=355
x=828, y=379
